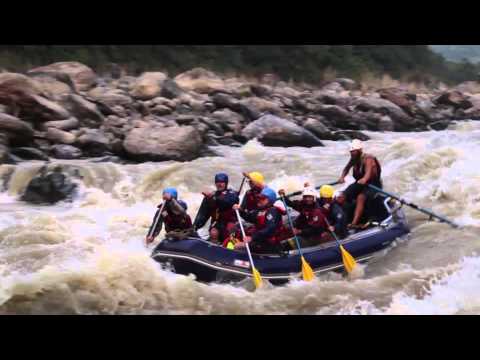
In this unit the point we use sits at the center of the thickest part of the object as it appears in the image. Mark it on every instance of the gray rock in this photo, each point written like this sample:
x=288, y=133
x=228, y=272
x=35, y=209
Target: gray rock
x=58, y=136
x=229, y=120
x=85, y=111
x=156, y=143
x=49, y=188
x=318, y=129
x=110, y=97
x=272, y=130
x=93, y=143
x=170, y=89
x=350, y=135
x=66, y=152
x=201, y=81
x=68, y=124
x=148, y=85
x=338, y=116
x=82, y=76
x=28, y=153
x=161, y=110
x=439, y=125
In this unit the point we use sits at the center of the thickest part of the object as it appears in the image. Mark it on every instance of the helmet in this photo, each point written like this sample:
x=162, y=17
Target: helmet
x=183, y=204
x=309, y=192
x=338, y=193
x=257, y=177
x=171, y=191
x=356, y=145
x=221, y=178
x=269, y=194
x=326, y=191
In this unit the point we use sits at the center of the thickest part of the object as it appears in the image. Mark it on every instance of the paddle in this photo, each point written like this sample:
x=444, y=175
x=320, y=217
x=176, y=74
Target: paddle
x=257, y=279
x=348, y=261
x=150, y=233
x=296, y=193
x=414, y=206
x=307, y=271
x=241, y=185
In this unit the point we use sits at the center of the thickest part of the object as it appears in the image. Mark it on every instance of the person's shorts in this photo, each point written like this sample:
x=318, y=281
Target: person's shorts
x=352, y=191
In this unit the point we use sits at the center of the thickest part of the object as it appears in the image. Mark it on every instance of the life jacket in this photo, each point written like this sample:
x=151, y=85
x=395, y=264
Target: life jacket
x=262, y=222
x=221, y=215
x=173, y=221
x=359, y=170
x=252, y=197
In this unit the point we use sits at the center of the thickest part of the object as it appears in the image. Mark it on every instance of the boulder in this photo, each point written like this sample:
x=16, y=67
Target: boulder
x=350, y=135
x=347, y=84
x=4, y=154
x=54, y=86
x=157, y=143
x=201, y=81
x=85, y=111
x=46, y=110
x=254, y=107
x=161, y=110
x=49, y=187
x=110, y=97
x=58, y=136
x=440, y=125
x=338, y=116
x=261, y=90
x=229, y=120
x=272, y=130
x=81, y=75
x=402, y=121
x=148, y=85
x=66, y=152
x=170, y=89
x=28, y=153
x=68, y=124
x=93, y=142
x=17, y=92
x=318, y=129
x=17, y=132
x=453, y=98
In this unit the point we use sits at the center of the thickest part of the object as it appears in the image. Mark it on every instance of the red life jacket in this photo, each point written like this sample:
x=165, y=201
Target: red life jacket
x=261, y=223
x=252, y=197
x=221, y=216
x=175, y=222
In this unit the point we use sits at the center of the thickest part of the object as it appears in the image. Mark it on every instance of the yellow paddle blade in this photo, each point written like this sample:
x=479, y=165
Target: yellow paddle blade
x=307, y=271
x=257, y=279
x=348, y=260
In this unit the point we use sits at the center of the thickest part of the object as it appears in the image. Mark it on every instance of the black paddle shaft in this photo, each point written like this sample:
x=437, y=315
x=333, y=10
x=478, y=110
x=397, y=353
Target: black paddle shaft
x=296, y=193
x=414, y=206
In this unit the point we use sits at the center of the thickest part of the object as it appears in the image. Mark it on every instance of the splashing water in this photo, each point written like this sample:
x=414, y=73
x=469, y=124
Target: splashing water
x=89, y=256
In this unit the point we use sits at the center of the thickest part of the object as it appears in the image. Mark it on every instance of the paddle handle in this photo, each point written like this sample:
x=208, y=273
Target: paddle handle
x=150, y=233
x=290, y=222
x=414, y=206
x=244, y=236
x=241, y=186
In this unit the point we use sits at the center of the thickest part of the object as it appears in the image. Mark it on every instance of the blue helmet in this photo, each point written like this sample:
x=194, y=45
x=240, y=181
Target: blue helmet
x=171, y=191
x=269, y=194
x=183, y=204
x=221, y=178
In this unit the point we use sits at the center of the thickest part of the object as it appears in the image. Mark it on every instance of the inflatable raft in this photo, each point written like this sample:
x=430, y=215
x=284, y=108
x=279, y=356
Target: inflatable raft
x=210, y=262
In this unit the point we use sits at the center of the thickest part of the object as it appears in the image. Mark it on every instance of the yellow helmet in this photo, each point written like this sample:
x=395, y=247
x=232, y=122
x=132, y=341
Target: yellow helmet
x=327, y=191
x=256, y=177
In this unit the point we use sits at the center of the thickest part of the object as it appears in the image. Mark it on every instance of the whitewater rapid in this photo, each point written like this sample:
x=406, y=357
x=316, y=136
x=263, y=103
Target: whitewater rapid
x=89, y=257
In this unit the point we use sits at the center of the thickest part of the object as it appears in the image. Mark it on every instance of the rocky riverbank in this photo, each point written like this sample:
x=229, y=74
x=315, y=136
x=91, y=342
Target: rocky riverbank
x=66, y=111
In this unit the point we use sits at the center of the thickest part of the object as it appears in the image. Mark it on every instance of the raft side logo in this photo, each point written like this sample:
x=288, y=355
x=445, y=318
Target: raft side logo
x=241, y=263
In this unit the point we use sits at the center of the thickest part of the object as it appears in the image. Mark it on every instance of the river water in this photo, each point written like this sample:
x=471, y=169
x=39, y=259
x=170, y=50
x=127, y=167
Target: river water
x=88, y=256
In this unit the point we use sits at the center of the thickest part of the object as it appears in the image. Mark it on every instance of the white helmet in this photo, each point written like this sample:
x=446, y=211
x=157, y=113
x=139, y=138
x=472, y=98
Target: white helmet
x=356, y=145
x=310, y=192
